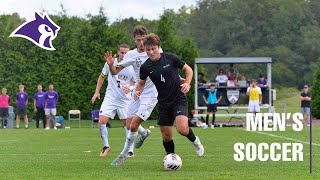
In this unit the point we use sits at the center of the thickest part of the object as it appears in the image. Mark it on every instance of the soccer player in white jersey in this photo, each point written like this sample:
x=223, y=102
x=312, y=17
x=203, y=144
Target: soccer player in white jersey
x=116, y=99
x=140, y=109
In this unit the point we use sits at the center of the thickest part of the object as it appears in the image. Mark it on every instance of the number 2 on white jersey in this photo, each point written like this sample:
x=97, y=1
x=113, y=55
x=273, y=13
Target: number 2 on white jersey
x=162, y=78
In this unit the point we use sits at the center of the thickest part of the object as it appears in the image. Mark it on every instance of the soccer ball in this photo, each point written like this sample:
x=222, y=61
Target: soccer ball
x=172, y=162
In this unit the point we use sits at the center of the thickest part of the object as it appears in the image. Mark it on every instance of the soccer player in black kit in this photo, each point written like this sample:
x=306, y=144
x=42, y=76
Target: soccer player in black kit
x=162, y=69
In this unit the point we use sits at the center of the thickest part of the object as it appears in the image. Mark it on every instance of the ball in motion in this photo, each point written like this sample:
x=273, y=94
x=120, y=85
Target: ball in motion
x=172, y=162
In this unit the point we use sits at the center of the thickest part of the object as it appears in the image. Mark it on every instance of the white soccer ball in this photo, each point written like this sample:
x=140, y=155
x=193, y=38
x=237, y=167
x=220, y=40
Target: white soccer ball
x=172, y=162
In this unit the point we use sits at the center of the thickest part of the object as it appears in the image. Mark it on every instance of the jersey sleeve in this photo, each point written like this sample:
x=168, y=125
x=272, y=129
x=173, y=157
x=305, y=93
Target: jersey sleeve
x=127, y=60
x=143, y=72
x=105, y=69
x=259, y=90
x=177, y=62
x=248, y=89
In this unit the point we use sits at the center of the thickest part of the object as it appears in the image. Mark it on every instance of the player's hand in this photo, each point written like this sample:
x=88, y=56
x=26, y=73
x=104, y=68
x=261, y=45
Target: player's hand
x=207, y=102
x=109, y=58
x=126, y=89
x=185, y=87
x=95, y=96
x=136, y=95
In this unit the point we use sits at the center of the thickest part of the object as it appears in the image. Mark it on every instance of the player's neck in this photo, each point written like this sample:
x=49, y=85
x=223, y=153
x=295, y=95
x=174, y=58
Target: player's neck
x=140, y=50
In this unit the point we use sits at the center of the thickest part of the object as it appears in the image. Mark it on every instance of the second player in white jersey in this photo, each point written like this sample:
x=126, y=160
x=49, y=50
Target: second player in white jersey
x=115, y=94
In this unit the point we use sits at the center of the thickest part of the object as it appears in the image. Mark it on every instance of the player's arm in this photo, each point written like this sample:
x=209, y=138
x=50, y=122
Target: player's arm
x=139, y=88
x=205, y=99
x=27, y=100
x=185, y=87
x=302, y=98
x=98, y=88
x=110, y=60
x=219, y=99
x=260, y=96
x=34, y=104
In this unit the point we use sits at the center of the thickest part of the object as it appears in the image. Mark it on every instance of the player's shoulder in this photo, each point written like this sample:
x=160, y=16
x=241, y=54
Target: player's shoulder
x=132, y=53
x=170, y=55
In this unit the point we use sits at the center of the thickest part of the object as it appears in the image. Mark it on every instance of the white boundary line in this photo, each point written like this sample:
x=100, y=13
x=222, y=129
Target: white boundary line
x=283, y=137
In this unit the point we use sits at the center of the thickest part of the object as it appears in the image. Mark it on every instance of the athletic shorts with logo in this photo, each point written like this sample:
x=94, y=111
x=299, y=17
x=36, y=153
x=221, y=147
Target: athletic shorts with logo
x=168, y=112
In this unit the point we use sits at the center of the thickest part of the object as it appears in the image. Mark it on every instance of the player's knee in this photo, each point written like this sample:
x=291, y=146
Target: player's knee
x=166, y=137
x=103, y=120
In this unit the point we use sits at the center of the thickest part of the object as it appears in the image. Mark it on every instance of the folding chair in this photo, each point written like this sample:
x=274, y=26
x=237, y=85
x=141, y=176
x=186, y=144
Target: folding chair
x=94, y=117
x=73, y=113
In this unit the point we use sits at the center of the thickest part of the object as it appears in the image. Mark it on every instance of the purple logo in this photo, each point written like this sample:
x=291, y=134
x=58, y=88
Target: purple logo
x=41, y=31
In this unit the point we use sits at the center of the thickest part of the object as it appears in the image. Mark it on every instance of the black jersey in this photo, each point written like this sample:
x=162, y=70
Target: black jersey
x=164, y=74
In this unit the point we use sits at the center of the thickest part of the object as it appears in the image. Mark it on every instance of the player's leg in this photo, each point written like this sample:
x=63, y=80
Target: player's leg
x=184, y=129
x=18, y=118
x=25, y=117
x=180, y=112
x=307, y=120
x=38, y=113
x=214, y=110
x=133, y=133
x=144, y=112
x=43, y=117
x=122, y=113
x=103, y=120
x=54, y=115
x=208, y=114
x=167, y=139
x=47, y=118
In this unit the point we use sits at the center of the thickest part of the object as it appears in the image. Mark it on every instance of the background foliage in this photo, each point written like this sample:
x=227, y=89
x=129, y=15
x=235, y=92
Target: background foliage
x=286, y=30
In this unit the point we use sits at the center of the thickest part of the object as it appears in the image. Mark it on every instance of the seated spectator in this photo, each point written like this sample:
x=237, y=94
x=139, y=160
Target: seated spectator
x=243, y=81
x=232, y=73
x=201, y=80
x=221, y=77
x=262, y=82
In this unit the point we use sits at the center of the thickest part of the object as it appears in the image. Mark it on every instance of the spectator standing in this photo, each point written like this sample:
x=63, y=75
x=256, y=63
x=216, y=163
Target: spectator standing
x=262, y=82
x=4, y=105
x=38, y=104
x=51, y=98
x=21, y=101
x=305, y=98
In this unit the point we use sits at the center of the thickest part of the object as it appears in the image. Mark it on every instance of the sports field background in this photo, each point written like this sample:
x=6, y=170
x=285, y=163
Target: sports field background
x=74, y=153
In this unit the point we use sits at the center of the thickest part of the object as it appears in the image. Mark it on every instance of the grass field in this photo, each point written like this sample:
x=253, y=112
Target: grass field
x=74, y=154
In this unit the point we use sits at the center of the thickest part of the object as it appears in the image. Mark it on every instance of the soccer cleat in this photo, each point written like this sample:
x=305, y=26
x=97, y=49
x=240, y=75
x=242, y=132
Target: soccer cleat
x=55, y=128
x=139, y=141
x=47, y=128
x=118, y=161
x=17, y=127
x=105, y=151
x=4, y=127
x=198, y=147
x=130, y=154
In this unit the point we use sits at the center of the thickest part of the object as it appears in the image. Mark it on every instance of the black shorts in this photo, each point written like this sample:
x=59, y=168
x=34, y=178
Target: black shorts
x=22, y=111
x=4, y=112
x=211, y=107
x=167, y=113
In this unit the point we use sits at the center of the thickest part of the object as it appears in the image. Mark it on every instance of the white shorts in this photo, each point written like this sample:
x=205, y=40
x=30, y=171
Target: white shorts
x=111, y=110
x=52, y=112
x=142, y=107
x=254, y=106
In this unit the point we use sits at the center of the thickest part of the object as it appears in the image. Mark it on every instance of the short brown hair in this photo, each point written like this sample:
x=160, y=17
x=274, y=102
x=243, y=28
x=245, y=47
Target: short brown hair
x=140, y=30
x=123, y=46
x=152, y=39
x=253, y=80
x=212, y=85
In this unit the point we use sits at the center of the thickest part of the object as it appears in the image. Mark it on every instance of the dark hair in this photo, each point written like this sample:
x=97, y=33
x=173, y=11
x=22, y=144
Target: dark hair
x=212, y=85
x=124, y=46
x=140, y=30
x=261, y=76
x=152, y=39
x=201, y=74
x=221, y=70
x=231, y=65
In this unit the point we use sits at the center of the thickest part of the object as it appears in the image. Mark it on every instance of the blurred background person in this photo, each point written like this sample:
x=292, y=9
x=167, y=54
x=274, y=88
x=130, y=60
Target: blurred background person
x=4, y=105
x=21, y=101
x=262, y=82
x=51, y=98
x=305, y=98
x=232, y=74
x=38, y=104
x=221, y=78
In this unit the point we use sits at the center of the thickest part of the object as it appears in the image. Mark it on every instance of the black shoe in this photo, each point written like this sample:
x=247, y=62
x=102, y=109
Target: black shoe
x=130, y=154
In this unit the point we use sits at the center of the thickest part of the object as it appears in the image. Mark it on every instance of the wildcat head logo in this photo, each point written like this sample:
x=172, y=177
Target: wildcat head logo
x=41, y=31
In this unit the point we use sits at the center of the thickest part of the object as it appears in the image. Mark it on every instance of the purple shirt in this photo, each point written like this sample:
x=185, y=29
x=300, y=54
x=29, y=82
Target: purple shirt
x=22, y=99
x=39, y=97
x=264, y=82
x=51, y=99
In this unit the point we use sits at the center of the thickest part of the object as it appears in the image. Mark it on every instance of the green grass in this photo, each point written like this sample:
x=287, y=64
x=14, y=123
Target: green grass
x=40, y=154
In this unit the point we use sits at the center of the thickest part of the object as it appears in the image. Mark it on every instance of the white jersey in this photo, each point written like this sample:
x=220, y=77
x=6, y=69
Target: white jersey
x=115, y=94
x=136, y=59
